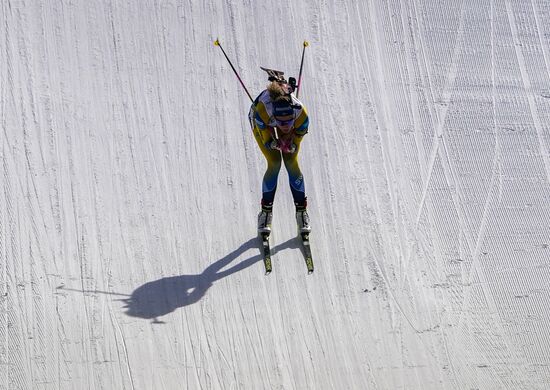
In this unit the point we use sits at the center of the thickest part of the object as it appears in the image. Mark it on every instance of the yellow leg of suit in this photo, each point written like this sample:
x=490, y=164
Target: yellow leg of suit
x=274, y=160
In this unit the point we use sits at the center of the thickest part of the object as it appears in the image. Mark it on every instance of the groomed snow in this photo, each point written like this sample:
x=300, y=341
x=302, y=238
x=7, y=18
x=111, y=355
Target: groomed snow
x=130, y=185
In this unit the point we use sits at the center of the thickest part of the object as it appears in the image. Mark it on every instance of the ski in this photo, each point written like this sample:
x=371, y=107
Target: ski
x=266, y=252
x=307, y=252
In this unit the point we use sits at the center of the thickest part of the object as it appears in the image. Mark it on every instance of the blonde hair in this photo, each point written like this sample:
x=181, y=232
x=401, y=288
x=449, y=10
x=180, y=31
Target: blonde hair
x=276, y=91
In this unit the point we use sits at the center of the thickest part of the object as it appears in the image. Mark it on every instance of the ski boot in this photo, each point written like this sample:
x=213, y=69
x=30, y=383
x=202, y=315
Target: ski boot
x=302, y=219
x=264, y=218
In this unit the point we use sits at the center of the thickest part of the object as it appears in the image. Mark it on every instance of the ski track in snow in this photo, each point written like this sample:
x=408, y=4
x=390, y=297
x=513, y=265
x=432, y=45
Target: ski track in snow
x=130, y=183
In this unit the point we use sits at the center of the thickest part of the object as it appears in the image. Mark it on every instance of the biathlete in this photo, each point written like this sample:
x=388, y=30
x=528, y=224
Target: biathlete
x=279, y=122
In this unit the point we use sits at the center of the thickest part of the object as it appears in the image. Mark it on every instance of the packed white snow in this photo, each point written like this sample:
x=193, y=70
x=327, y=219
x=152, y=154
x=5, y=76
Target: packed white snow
x=131, y=182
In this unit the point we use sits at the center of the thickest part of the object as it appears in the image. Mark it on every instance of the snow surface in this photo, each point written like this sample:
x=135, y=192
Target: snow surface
x=130, y=185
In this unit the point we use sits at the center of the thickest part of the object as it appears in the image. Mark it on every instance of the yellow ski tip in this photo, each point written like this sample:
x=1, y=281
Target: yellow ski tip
x=306, y=43
x=217, y=42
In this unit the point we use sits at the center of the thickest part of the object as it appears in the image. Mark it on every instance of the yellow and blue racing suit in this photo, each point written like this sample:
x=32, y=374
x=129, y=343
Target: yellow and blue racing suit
x=263, y=125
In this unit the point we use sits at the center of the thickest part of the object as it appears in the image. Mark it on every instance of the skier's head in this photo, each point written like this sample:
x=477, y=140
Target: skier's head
x=277, y=90
x=283, y=112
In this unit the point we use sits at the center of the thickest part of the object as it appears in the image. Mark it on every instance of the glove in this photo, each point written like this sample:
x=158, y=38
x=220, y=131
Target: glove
x=289, y=149
x=272, y=145
x=287, y=146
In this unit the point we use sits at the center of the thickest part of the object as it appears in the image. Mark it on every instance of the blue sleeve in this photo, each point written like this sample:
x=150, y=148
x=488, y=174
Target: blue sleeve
x=258, y=119
x=302, y=129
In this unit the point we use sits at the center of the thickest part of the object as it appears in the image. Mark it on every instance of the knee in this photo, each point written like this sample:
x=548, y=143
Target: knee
x=274, y=160
x=274, y=166
x=291, y=163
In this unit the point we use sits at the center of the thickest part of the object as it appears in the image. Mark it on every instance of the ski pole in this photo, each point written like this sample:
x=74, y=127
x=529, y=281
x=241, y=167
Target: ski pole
x=306, y=44
x=217, y=43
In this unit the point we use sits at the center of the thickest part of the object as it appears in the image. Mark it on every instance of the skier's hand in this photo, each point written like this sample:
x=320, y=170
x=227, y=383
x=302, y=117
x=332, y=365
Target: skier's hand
x=273, y=145
x=291, y=149
x=287, y=146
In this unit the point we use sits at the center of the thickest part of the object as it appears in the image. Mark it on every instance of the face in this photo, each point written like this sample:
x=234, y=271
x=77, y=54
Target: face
x=285, y=123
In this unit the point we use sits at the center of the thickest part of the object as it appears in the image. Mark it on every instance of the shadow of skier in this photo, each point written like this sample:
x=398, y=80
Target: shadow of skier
x=163, y=296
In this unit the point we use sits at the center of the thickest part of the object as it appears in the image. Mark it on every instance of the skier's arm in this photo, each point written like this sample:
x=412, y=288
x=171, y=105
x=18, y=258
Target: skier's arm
x=269, y=139
x=301, y=124
x=261, y=117
x=260, y=121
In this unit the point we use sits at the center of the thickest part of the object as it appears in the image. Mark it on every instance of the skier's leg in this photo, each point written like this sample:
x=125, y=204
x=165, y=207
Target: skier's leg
x=273, y=158
x=296, y=180
x=295, y=177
